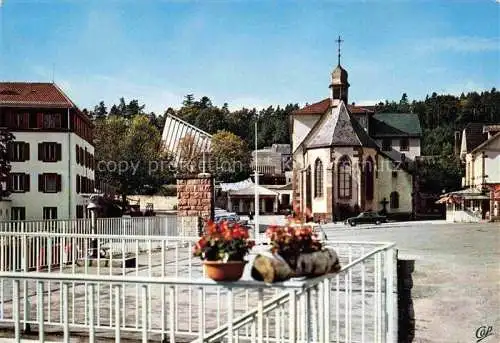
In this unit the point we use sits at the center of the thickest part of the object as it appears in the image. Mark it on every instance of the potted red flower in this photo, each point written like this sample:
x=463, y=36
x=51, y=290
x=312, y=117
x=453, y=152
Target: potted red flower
x=223, y=247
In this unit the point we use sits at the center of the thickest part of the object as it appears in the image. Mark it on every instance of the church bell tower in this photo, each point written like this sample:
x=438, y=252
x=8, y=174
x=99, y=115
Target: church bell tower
x=339, y=87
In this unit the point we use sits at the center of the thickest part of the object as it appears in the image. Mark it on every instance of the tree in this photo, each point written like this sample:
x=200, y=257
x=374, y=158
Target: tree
x=100, y=111
x=230, y=157
x=6, y=137
x=129, y=155
x=190, y=155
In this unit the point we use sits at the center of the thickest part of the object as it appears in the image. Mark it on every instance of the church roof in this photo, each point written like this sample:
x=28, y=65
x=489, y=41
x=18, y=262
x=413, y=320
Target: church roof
x=322, y=106
x=395, y=124
x=338, y=128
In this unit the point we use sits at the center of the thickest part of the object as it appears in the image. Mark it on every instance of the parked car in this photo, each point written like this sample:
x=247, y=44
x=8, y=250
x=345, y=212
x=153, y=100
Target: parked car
x=366, y=218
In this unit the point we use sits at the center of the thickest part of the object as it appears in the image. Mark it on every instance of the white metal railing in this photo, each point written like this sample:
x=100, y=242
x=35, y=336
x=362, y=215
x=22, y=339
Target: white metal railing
x=142, y=226
x=165, y=295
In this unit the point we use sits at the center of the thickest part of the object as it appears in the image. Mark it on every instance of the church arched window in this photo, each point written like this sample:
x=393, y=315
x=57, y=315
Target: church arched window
x=369, y=188
x=394, y=200
x=345, y=178
x=318, y=178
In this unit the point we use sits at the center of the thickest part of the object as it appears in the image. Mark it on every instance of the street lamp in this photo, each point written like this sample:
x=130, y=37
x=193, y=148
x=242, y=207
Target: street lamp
x=94, y=208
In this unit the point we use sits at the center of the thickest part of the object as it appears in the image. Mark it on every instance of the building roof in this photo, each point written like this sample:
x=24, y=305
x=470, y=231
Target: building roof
x=486, y=142
x=474, y=135
x=338, y=128
x=322, y=106
x=251, y=191
x=395, y=124
x=33, y=94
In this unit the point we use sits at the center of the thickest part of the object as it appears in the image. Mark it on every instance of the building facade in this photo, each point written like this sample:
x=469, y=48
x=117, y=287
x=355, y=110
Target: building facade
x=52, y=155
x=480, y=197
x=348, y=159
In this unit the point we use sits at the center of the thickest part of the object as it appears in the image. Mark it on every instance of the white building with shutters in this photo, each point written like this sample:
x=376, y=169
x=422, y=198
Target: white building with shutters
x=52, y=156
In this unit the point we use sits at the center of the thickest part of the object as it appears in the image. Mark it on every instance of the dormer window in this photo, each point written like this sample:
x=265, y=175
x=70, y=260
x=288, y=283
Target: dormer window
x=404, y=144
x=386, y=144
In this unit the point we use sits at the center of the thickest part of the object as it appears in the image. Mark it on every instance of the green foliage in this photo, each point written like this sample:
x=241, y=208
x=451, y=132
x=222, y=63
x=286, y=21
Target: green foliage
x=230, y=157
x=440, y=117
x=6, y=137
x=128, y=155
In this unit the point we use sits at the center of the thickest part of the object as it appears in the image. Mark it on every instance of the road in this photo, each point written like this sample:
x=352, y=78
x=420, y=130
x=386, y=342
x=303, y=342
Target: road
x=456, y=279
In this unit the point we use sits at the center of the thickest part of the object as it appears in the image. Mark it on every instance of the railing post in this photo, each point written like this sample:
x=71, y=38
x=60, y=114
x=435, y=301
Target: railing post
x=327, y=306
x=65, y=302
x=91, y=314
x=201, y=313
x=15, y=309
x=40, y=307
x=260, y=316
x=117, y=313
x=171, y=316
x=25, y=269
x=230, y=315
x=292, y=323
x=144, y=308
x=389, y=294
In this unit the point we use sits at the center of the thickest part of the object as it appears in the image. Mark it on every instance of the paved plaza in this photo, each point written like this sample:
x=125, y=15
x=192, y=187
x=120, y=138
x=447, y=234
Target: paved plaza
x=457, y=275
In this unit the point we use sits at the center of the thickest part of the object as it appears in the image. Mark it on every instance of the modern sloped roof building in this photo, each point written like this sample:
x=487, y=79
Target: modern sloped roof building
x=176, y=129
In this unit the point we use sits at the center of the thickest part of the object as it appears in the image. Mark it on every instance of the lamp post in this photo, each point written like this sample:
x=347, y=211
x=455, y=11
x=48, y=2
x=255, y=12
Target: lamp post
x=94, y=208
x=256, y=192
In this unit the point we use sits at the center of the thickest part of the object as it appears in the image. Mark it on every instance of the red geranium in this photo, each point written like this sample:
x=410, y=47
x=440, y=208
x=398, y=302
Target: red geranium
x=223, y=241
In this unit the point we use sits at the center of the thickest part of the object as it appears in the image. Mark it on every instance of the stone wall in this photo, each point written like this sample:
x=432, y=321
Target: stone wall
x=195, y=201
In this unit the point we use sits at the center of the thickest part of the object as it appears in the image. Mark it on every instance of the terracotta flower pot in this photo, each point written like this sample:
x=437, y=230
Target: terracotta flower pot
x=224, y=271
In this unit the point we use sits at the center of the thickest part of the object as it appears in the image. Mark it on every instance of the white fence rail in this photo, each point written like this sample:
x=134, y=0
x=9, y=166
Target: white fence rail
x=128, y=226
x=164, y=296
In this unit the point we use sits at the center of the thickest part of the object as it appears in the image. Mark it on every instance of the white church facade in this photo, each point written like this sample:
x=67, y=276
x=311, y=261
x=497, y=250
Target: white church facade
x=348, y=159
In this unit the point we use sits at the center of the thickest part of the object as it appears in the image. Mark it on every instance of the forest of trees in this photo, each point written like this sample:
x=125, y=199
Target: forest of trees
x=440, y=117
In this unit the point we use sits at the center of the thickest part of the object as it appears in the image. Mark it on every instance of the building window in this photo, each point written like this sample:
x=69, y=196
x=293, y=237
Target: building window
x=404, y=144
x=49, y=213
x=20, y=120
x=18, y=213
x=19, y=182
x=369, y=183
x=394, y=200
x=49, y=152
x=345, y=178
x=79, y=211
x=49, y=183
x=51, y=121
x=318, y=178
x=18, y=151
x=386, y=144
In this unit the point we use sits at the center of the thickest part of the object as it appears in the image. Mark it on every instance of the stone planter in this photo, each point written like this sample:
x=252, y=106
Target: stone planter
x=224, y=271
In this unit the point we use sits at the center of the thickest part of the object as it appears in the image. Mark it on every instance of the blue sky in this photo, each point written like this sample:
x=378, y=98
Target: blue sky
x=250, y=53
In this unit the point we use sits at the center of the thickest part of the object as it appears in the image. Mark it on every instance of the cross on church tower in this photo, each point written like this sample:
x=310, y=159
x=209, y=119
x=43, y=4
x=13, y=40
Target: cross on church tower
x=339, y=41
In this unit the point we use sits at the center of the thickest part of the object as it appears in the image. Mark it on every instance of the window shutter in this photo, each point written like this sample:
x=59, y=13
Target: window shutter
x=26, y=151
x=39, y=120
x=59, y=183
x=10, y=151
x=41, y=183
x=9, y=183
x=26, y=120
x=58, y=152
x=78, y=183
x=26, y=182
x=40, y=151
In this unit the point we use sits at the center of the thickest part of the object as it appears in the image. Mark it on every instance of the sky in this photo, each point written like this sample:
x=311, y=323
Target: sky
x=249, y=53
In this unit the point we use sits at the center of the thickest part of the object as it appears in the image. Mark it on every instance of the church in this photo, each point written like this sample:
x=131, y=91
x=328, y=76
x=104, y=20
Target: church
x=349, y=159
